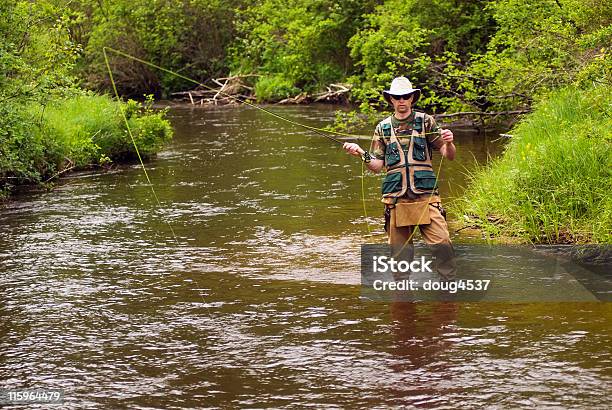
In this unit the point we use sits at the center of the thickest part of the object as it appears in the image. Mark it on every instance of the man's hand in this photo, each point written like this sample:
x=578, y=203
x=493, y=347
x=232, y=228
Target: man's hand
x=447, y=136
x=353, y=149
x=448, y=149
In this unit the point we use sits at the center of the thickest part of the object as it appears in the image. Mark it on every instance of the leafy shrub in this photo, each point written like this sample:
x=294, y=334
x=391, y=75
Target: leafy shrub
x=22, y=150
x=189, y=36
x=37, y=141
x=274, y=88
x=92, y=128
x=301, y=41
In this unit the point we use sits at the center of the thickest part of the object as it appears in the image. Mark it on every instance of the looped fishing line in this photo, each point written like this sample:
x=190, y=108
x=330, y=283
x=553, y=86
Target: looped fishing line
x=319, y=131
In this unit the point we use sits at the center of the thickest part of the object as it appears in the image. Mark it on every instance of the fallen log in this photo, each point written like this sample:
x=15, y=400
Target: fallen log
x=232, y=88
x=228, y=87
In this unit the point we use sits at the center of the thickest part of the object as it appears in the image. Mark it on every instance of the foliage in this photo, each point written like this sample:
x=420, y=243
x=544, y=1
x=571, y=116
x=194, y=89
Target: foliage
x=465, y=55
x=274, y=88
x=189, y=36
x=299, y=44
x=426, y=44
x=47, y=124
x=21, y=151
x=483, y=55
x=554, y=180
x=85, y=130
x=36, y=55
x=540, y=46
x=36, y=59
x=91, y=129
x=150, y=130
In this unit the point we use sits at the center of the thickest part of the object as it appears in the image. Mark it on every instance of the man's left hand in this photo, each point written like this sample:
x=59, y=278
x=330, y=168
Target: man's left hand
x=447, y=136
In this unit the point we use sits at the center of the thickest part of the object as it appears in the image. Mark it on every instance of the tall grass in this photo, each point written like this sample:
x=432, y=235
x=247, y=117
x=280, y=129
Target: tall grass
x=553, y=183
x=92, y=130
x=39, y=141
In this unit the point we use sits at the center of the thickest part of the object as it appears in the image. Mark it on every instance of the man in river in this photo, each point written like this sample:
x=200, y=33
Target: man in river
x=403, y=144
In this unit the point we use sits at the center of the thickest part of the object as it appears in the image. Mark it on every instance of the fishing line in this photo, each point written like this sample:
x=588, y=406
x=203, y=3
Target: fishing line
x=129, y=130
x=110, y=74
x=426, y=210
x=319, y=131
x=365, y=212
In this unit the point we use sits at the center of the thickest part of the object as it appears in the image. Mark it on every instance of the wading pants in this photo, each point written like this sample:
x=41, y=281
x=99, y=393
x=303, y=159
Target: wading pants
x=435, y=235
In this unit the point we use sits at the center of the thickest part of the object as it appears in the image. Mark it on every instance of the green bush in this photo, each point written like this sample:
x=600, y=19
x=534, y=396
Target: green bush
x=430, y=44
x=47, y=123
x=553, y=182
x=188, y=36
x=274, y=88
x=78, y=126
x=92, y=130
x=22, y=150
x=302, y=41
x=151, y=132
x=37, y=141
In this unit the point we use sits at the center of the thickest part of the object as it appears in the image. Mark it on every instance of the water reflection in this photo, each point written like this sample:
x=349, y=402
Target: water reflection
x=419, y=331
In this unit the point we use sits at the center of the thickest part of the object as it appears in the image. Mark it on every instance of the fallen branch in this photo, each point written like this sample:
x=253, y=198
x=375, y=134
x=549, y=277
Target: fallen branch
x=239, y=76
x=63, y=171
x=228, y=87
x=333, y=95
x=220, y=91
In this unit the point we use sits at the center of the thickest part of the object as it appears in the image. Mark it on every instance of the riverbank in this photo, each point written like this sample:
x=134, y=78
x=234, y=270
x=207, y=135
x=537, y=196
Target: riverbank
x=553, y=182
x=41, y=142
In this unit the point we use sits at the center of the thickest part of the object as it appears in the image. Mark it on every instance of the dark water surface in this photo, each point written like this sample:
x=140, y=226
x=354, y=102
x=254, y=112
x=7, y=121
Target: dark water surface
x=256, y=303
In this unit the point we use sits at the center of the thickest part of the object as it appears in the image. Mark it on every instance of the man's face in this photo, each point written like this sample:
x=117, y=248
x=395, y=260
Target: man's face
x=401, y=104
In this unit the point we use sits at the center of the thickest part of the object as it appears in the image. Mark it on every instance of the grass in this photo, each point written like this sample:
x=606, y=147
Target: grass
x=92, y=129
x=40, y=141
x=553, y=183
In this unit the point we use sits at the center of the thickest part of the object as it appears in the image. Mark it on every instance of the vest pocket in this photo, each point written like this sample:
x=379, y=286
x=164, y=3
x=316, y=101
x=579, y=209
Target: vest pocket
x=418, y=149
x=418, y=124
x=392, y=183
x=425, y=180
x=386, y=129
x=392, y=155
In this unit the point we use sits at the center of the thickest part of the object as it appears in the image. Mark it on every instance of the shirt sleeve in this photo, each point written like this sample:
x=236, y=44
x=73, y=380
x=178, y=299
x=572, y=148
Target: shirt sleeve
x=435, y=140
x=377, y=148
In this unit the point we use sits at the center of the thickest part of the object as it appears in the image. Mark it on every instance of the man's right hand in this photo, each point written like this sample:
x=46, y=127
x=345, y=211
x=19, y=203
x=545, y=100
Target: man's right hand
x=353, y=149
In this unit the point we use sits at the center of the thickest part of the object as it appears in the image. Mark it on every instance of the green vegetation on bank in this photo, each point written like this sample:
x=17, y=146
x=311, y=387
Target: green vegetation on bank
x=39, y=142
x=554, y=182
x=47, y=123
x=473, y=55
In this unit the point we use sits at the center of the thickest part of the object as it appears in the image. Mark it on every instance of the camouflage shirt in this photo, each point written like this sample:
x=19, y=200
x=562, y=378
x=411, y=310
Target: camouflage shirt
x=401, y=128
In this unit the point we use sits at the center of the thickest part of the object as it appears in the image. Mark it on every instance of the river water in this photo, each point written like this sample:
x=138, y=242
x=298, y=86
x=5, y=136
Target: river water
x=256, y=302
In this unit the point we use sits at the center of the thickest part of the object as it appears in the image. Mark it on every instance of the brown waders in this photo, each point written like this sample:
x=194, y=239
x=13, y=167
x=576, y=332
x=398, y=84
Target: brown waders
x=429, y=216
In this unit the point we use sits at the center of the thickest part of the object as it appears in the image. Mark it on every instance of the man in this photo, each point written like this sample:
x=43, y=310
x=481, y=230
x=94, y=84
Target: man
x=403, y=144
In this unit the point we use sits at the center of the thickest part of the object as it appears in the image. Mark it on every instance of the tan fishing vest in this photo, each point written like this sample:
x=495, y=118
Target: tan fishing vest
x=407, y=167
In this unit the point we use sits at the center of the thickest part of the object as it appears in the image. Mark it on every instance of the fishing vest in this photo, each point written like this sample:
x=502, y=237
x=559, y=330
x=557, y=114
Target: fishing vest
x=408, y=167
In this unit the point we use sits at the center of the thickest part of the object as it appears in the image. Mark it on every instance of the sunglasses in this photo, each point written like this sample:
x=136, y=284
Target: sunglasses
x=401, y=97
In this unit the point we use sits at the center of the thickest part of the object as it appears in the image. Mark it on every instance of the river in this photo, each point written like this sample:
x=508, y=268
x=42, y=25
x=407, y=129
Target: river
x=242, y=288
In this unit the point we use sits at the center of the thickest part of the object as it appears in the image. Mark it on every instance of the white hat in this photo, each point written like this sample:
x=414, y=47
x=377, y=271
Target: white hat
x=402, y=86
